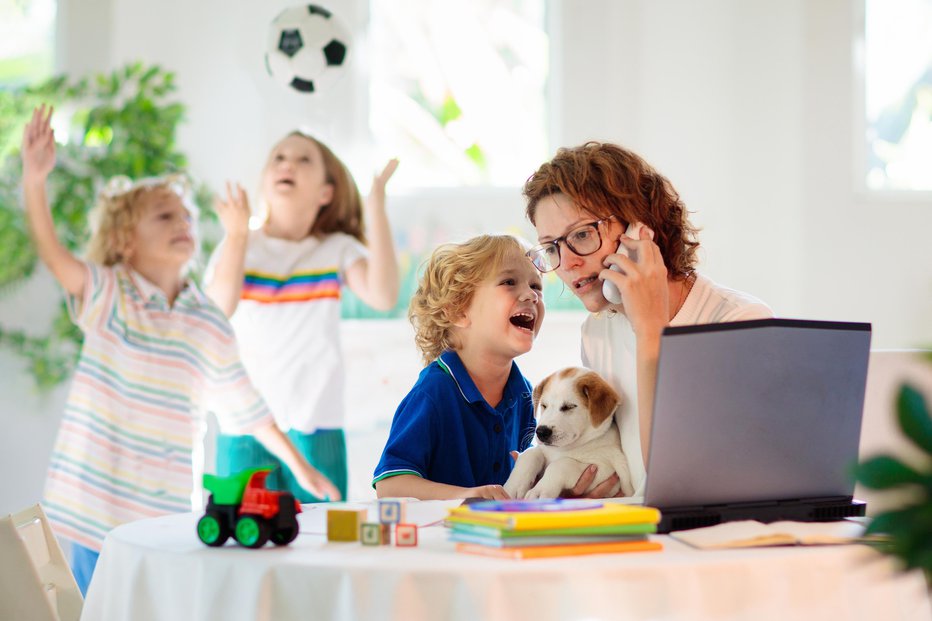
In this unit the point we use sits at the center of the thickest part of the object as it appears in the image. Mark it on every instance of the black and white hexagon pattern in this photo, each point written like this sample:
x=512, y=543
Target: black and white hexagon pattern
x=307, y=48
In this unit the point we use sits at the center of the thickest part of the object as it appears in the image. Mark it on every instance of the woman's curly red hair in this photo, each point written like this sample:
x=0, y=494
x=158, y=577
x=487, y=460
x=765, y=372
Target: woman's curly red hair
x=606, y=180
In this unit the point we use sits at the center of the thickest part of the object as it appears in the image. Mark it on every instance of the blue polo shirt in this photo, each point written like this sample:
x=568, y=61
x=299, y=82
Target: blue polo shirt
x=445, y=431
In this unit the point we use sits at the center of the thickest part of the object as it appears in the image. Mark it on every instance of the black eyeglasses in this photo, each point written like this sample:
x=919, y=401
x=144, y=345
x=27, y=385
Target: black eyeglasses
x=583, y=240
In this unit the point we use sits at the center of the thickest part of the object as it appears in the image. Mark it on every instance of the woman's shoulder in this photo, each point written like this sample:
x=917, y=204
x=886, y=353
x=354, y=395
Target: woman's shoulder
x=710, y=302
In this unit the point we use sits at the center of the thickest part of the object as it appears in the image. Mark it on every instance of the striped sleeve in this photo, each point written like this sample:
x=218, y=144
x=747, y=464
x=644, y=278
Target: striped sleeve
x=100, y=285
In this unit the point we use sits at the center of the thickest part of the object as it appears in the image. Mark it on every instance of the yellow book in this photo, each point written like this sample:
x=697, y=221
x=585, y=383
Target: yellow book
x=560, y=550
x=601, y=514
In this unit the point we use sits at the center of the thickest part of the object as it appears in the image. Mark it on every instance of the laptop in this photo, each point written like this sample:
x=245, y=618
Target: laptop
x=757, y=420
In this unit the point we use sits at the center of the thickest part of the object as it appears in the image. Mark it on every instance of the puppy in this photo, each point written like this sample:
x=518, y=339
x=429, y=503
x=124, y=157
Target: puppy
x=574, y=408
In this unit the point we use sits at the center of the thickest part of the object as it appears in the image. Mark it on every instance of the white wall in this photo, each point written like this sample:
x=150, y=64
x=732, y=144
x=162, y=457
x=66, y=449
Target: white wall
x=748, y=106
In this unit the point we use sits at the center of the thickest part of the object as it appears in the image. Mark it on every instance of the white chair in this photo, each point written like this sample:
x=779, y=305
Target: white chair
x=36, y=583
x=887, y=371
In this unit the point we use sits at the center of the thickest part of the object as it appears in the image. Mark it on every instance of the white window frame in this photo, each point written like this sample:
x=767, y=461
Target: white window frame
x=859, y=118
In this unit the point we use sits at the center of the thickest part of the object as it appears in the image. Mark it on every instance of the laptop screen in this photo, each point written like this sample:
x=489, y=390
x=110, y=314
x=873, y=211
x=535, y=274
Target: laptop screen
x=757, y=411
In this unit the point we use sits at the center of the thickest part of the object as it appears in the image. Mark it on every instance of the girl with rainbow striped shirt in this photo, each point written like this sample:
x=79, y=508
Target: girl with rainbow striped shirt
x=284, y=282
x=156, y=353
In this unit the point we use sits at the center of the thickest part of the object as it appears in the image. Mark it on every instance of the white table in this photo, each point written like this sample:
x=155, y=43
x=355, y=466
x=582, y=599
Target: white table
x=157, y=569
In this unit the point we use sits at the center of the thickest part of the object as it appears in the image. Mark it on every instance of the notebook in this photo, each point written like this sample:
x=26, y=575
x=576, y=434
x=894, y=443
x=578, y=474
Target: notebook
x=757, y=420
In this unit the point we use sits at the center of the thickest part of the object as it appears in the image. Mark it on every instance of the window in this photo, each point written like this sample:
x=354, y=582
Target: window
x=898, y=94
x=27, y=33
x=457, y=90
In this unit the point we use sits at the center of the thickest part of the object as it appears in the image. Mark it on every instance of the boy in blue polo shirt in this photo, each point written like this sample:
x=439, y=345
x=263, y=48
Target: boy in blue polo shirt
x=478, y=306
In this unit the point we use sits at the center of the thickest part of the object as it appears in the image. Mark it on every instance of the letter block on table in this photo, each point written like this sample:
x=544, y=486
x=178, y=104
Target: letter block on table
x=406, y=535
x=343, y=524
x=392, y=511
x=370, y=534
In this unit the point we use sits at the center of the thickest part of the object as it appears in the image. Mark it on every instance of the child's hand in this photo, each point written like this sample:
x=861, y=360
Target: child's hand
x=379, y=181
x=313, y=481
x=234, y=212
x=38, y=149
x=490, y=492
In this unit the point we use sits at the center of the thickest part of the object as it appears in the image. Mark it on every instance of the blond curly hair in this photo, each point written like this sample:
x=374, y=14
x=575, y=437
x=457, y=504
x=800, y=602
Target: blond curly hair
x=448, y=284
x=120, y=206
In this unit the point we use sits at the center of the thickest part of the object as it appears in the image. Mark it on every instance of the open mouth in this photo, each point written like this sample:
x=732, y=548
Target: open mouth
x=286, y=182
x=524, y=321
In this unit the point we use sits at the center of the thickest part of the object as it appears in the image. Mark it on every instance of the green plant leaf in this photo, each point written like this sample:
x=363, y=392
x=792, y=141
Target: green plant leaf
x=901, y=523
x=913, y=415
x=885, y=472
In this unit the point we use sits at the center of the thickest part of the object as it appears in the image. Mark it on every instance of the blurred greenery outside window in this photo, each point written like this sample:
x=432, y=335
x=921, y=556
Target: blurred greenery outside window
x=457, y=91
x=27, y=41
x=898, y=94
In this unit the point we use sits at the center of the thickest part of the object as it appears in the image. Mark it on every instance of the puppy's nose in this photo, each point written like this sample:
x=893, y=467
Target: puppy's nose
x=544, y=433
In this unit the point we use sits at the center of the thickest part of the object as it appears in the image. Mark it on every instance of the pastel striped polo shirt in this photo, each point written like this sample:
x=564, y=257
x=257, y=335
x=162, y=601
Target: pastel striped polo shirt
x=287, y=323
x=145, y=376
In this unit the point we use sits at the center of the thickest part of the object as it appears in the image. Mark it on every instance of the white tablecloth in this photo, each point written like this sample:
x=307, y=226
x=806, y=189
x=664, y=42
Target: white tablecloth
x=157, y=569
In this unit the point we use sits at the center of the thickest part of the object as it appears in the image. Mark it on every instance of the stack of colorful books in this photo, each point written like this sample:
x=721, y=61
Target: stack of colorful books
x=543, y=528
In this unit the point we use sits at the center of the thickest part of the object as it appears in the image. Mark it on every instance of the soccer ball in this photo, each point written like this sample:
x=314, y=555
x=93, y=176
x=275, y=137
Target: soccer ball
x=307, y=48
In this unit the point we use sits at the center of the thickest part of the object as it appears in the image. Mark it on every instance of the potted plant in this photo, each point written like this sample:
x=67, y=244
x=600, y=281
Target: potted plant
x=908, y=527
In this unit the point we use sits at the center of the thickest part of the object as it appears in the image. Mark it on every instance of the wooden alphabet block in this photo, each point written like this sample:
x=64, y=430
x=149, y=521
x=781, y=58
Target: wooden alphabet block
x=343, y=524
x=370, y=534
x=391, y=511
x=406, y=535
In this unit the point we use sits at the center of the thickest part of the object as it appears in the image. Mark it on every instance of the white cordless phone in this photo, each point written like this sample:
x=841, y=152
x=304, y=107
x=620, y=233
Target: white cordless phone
x=609, y=291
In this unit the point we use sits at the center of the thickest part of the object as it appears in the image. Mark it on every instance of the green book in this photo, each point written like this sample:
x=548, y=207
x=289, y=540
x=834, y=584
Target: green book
x=512, y=542
x=500, y=532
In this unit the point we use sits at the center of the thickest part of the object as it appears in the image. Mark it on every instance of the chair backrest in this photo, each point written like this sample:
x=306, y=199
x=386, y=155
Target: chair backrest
x=35, y=580
x=887, y=371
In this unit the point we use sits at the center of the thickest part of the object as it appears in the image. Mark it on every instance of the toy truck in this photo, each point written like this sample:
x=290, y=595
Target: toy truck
x=240, y=505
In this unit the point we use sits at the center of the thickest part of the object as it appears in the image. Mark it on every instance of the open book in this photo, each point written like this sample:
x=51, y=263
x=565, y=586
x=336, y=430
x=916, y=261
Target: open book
x=751, y=533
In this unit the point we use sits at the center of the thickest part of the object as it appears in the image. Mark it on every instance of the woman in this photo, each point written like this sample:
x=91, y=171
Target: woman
x=582, y=203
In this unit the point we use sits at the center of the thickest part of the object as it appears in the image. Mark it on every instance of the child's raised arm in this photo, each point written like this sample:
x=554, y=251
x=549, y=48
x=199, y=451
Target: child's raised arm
x=38, y=153
x=376, y=280
x=226, y=283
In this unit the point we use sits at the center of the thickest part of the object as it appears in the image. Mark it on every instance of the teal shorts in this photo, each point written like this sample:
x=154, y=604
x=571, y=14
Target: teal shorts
x=325, y=449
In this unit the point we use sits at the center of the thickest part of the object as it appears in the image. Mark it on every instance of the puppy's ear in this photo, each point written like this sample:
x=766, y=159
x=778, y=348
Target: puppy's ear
x=538, y=390
x=601, y=398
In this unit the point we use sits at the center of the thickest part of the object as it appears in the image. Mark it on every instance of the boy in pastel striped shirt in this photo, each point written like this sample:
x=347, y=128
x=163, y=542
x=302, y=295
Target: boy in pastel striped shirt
x=156, y=353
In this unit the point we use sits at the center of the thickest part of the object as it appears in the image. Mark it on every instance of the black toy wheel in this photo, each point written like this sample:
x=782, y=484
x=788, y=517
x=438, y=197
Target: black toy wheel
x=212, y=530
x=252, y=531
x=284, y=536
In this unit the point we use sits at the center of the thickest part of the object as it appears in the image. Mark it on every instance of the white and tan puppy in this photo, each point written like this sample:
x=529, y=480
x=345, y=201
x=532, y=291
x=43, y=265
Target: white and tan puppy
x=574, y=408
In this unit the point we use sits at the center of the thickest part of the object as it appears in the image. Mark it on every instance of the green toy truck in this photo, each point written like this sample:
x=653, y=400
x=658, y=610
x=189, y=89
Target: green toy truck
x=240, y=505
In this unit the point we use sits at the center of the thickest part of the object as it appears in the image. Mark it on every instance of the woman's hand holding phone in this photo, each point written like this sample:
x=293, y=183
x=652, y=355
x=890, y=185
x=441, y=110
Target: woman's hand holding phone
x=609, y=289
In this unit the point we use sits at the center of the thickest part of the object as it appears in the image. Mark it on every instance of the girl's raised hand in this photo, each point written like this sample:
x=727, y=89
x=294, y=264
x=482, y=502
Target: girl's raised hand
x=234, y=211
x=379, y=181
x=38, y=149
